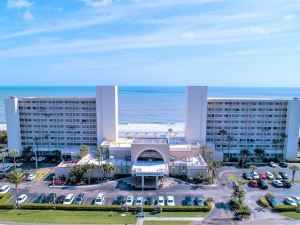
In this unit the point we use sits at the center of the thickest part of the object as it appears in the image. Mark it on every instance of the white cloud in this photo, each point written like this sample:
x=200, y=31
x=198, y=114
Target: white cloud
x=28, y=15
x=289, y=17
x=18, y=4
x=97, y=3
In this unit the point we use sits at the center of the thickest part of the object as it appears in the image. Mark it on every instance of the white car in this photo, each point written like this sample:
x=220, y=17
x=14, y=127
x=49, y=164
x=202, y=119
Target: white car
x=139, y=201
x=277, y=183
x=31, y=177
x=161, y=201
x=129, y=200
x=278, y=176
x=269, y=175
x=297, y=199
x=4, y=189
x=272, y=164
x=290, y=201
x=69, y=199
x=100, y=199
x=41, y=159
x=254, y=175
x=170, y=201
x=22, y=198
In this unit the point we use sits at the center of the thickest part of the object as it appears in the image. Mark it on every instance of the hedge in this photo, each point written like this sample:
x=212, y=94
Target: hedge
x=263, y=201
x=294, y=161
x=4, y=198
x=286, y=208
x=36, y=206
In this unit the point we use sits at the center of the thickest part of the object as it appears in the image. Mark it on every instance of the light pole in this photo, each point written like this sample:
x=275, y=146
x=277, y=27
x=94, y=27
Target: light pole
x=35, y=153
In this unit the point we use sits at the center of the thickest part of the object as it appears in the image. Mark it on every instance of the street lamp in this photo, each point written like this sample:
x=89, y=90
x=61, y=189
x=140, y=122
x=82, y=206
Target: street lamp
x=35, y=153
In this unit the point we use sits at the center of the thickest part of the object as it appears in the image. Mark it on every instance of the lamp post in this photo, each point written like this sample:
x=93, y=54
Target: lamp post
x=35, y=153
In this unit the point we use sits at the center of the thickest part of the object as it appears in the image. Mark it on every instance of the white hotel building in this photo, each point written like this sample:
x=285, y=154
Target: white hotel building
x=64, y=124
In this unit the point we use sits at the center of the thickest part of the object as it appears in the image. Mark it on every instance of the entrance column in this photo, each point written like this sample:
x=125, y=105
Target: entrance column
x=142, y=182
x=156, y=182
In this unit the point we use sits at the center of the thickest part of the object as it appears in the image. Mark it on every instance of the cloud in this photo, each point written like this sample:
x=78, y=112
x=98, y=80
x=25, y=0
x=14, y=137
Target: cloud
x=28, y=15
x=97, y=3
x=289, y=17
x=18, y=4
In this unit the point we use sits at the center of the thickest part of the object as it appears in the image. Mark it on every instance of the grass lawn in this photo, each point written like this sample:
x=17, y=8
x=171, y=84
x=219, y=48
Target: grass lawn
x=294, y=215
x=179, y=222
x=177, y=214
x=235, y=179
x=69, y=217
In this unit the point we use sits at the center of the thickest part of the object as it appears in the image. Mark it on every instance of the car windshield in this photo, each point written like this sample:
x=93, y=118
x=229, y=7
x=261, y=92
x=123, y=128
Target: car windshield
x=67, y=200
x=98, y=199
x=170, y=200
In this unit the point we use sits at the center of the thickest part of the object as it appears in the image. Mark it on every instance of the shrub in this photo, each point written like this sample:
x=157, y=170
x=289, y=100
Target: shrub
x=294, y=161
x=7, y=206
x=4, y=198
x=263, y=201
x=286, y=208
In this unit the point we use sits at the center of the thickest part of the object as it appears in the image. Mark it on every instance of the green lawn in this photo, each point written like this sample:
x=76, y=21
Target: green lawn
x=294, y=215
x=177, y=214
x=178, y=222
x=68, y=217
x=235, y=179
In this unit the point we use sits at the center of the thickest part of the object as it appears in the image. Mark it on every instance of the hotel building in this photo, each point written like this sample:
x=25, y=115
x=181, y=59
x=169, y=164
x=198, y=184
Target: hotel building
x=64, y=124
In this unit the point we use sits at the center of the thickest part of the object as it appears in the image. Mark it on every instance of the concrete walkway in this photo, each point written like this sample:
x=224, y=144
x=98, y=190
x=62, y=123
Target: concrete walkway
x=140, y=221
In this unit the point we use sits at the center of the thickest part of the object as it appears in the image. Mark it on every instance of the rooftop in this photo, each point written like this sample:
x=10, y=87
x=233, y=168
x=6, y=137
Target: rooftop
x=150, y=141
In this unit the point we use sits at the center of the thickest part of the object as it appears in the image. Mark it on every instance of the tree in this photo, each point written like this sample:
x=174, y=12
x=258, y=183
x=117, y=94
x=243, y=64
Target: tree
x=3, y=155
x=212, y=166
x=260, y=153
x=107, y=169
x=101, y=151
x=276, y=142
x=244, y=153
x=89, y=167
x=16, y=178
x=222, y=133
x=77, y=173
x=229, y=140
x=14, y=152
x=206, y=152
x=253, y=168
x=294, y=169
x=239, y=194
x=84, y=150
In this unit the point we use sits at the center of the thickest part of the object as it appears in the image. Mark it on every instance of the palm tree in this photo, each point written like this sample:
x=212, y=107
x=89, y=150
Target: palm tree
x=89, y=167
x=294, y=169
x=14, y=152
x=253, y=168
x=229, y=140
x=107, y=169
x=16, y=178
x=212, y=166
x=260, y=153
x=3, y=155
x=244, y=153
x=239, y=194
x=206, y=152
x=276, y=142
x=222, y=133
x=100, y=153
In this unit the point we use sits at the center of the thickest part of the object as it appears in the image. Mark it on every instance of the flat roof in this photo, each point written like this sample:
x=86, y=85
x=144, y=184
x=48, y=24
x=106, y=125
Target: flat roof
x=150, y=141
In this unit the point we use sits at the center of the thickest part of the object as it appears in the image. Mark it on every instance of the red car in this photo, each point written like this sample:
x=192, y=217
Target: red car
x=262, y=176
x=253, y=183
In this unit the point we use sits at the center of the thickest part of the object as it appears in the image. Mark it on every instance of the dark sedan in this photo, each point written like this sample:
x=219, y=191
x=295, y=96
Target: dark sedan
x=188, y=201
x=79, y=199
x=120, y=200
x=41, y=198
x=284, y=175
x=50, y=198
x=286, y=184
x=283, y=164
x=60, y=199
x=150, y=201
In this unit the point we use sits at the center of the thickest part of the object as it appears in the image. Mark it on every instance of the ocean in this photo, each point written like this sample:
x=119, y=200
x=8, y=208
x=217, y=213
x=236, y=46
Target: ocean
x=146, y=108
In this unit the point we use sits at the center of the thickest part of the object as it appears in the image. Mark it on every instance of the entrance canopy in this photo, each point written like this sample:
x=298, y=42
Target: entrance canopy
x=149, y=169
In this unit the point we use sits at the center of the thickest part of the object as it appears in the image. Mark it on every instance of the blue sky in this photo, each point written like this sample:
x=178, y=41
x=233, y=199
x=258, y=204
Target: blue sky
x=150, y=42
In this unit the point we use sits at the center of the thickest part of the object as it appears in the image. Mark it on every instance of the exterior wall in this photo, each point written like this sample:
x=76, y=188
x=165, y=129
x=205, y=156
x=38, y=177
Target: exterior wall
x=107, y=113
x=196, y=114
x=292, y=131
x=13, y=124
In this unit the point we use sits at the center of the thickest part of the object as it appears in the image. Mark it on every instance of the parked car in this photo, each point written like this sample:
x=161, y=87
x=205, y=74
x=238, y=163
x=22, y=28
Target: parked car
x=277, y=183
x=170, y=201
x=31, y=177
x=139, y=201
x=286, y=184
x=129, y=200
x=4, y=189
x=263, y=184
x=100, y=199
x=272, y=164
x=283, y=164
x=22, y=198
x=262, y=176
x=269, y=175
x=41, y=159
x=289, y=201
x=50, y=198
x=80, y=199
x=284, y=175
x=252, y=183
x=278, y=176
x=60, y=199
x=297, y=199
x=254, y=175
x=68, y=199
x=200, y=201
x=161, y=201
x=41, y=198
x=247, y=176
x=149, y=201
x=120, y=200
x=188, y=201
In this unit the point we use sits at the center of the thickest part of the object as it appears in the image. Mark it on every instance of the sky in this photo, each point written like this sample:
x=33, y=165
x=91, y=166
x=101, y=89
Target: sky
x=150, y=42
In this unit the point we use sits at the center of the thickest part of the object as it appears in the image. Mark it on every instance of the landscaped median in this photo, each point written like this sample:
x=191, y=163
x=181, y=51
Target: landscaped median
x=235, y=179
x=41, y=173
x=4, y=198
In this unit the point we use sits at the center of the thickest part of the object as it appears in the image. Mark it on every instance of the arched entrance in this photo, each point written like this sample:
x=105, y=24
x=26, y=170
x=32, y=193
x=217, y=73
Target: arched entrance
x=150, y=155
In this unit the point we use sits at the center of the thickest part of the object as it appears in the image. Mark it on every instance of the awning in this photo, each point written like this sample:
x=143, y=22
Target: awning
x=149, y=169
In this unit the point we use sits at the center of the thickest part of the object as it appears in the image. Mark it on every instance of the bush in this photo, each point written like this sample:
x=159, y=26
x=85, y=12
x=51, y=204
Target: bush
x=4, y=198
x=294, y=161
x=263, y=201
x=286, y=208
x=7, y=206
